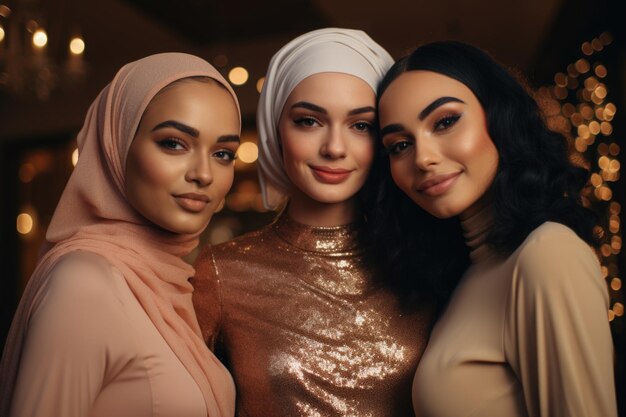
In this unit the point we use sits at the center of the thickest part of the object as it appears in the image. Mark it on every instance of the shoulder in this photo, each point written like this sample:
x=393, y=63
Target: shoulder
x=83, y=279
x=553, y=241
x=554, y=256
x=233, y=250
x=83, y=295
x=245, y=243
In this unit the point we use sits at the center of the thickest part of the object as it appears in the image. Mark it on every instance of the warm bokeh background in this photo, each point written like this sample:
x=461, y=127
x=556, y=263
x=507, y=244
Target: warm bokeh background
x=572, y=51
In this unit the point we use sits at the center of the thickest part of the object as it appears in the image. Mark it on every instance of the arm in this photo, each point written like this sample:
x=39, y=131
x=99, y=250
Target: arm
x=558, y=332
x=64, y=361
x=206, y=297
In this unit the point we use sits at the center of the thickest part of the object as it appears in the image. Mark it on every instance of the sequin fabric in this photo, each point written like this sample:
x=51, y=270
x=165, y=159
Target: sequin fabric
x=303, y=329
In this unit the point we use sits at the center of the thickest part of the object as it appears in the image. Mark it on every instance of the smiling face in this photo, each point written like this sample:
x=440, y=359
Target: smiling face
x=327, y=138
x=180, y=164
x=440, y=151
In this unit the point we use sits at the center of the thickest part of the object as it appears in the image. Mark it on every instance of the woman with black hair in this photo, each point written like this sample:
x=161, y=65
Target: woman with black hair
x=523, y=329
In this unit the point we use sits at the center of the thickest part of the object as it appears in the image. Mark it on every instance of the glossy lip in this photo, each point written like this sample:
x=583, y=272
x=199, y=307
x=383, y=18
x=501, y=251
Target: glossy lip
x=438, y=184
x=193, y=202
x=330, y=175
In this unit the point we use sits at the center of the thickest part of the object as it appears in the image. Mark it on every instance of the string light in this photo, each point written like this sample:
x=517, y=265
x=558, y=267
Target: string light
x=77, y=46
x=238, y=75
x=27, y=172
x=248, y=152
x=220, y=60
x=259, y=84
x=24, y=223
x=588, y=117
x=40, y=38
x=74, y=157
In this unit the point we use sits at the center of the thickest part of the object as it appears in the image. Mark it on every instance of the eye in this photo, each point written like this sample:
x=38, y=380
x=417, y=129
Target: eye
x=397, y=147
x=172, y=144
x=306, y=121
x=225, y=155
x=446, y=122
x=363, y=126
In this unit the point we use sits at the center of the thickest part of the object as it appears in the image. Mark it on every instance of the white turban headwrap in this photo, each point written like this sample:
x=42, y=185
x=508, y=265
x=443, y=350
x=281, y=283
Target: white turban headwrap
x=345, y=51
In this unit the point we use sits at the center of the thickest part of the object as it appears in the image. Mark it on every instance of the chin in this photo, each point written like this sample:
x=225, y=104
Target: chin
x=443, y=212
x=439, y=211
x=332, y=196
x=186, y=228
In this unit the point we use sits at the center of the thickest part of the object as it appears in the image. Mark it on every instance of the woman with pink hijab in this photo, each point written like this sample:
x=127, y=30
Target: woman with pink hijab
x=106, y=325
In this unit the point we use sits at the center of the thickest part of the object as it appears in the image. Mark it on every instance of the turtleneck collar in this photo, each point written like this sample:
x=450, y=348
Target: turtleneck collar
x=476, y=227
x=329, y=240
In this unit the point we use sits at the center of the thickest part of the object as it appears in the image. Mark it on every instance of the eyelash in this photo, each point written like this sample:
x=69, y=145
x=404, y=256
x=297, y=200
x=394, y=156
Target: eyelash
x=446, y=122
x=223, y=154
x=397, y=148
x=441, y=124
x=368, y=127
x=166, y=143
x=226, y=155
x=303, y=121
x=308, y=121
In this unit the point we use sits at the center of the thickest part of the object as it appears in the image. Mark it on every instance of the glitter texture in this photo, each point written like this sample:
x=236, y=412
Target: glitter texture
x=305, y=331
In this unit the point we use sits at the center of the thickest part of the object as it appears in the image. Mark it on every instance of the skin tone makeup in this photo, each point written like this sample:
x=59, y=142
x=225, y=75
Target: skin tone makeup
x=440, y=151
x=181, y=162
x=327, y=140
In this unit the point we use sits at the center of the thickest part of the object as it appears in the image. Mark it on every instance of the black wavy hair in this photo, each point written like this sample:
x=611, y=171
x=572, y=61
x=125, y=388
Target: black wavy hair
x=535, y=181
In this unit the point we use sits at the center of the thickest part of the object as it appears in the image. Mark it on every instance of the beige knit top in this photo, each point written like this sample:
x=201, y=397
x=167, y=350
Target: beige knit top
x=523, y=336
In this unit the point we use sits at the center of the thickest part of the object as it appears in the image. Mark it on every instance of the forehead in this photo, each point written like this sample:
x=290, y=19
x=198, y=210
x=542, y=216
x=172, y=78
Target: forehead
x=331, y=86
x=420, y=88
x=190, y=98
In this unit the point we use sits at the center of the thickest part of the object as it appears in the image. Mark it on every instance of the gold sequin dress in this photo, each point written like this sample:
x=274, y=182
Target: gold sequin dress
x=304, y=330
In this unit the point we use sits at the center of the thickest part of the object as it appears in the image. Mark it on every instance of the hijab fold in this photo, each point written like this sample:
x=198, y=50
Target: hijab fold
x=345, y=51
x=94, y=215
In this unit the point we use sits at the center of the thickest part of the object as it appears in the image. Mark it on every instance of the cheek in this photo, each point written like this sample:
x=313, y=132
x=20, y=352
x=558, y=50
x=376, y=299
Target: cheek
x=154, y=172
x=363, y=152
x=151, y=176
x=481, y=155
x=401, y=174
x=224, y=176
x=296, y=150
x=472, y=148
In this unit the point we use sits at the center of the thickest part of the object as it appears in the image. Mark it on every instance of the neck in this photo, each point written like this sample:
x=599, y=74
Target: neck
x=305, y=210
x=477, y=222
x=484, y=204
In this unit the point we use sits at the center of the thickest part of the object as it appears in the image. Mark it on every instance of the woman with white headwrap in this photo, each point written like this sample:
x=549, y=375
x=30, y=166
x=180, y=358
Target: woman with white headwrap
x=296, y=306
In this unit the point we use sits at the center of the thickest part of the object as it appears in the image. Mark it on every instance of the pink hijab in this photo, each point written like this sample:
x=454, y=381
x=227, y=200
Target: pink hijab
x=93, y=215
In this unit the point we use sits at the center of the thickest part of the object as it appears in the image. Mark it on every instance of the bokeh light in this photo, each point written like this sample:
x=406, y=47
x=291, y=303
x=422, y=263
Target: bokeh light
x=238, y=75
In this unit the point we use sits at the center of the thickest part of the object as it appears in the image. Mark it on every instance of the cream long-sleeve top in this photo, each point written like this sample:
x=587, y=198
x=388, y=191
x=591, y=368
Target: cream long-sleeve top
x=524, y=336
x=92, y=351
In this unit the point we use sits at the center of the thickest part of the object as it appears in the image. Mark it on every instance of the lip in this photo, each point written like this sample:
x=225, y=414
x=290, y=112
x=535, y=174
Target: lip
x=193, y=202
x=438, y=184
x=330, y=175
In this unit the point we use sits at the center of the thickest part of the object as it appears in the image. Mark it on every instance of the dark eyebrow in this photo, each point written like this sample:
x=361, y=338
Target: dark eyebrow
x=179, y=126
x=310, y=106
x=437, y=103
x=229, y=138
x=193, y=132
x=360, y=110
x=392, y=128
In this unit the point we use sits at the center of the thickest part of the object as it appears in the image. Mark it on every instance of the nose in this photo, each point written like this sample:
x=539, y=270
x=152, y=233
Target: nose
x=334, y=146
x=426, y=153
x=199, y=170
